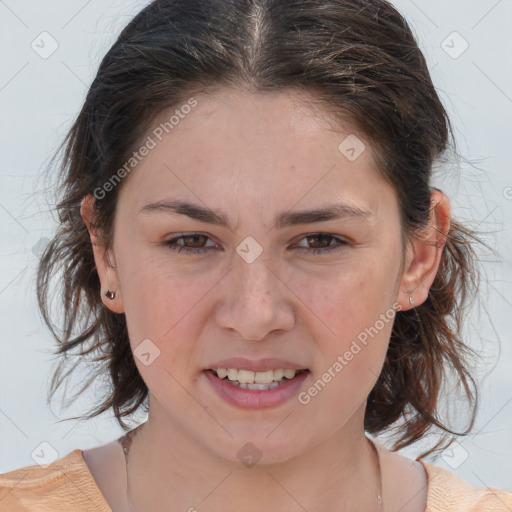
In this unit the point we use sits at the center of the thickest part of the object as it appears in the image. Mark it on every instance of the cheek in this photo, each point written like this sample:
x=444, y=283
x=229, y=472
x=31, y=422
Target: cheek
x=157, y=294
x=165, y=308
x=346, y=301
x=350, y=352
x=164, y=303
x=353, y=316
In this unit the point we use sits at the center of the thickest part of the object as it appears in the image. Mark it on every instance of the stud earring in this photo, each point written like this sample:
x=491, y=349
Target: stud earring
x=411, y=301
x=110, y=295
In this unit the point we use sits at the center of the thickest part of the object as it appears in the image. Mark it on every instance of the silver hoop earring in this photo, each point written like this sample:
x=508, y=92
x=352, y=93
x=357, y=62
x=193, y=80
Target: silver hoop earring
x=110, y=295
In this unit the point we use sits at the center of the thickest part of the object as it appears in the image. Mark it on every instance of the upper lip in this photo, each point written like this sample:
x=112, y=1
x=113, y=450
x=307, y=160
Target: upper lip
x=260, y=365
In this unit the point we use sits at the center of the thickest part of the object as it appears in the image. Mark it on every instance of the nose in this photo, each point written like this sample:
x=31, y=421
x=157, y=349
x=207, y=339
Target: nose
x=254, y=301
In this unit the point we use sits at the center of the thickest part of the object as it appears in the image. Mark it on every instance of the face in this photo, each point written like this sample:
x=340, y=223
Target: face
x=256, y=281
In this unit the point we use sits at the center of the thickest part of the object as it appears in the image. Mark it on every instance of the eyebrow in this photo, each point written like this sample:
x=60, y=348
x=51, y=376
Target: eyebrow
x=337, y=211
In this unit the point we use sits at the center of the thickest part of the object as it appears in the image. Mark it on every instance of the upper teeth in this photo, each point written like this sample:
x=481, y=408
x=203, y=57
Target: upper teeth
x=249, y=377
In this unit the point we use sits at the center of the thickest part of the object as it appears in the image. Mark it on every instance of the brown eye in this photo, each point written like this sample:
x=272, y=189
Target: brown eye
x=322, y=243
x=195, y=240
x=324, y=240
x=193, y=243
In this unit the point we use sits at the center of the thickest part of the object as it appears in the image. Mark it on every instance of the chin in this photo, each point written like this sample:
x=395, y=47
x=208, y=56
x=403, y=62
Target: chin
x=251, y=446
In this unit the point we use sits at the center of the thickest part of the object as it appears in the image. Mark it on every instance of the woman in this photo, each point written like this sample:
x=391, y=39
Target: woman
x=252, y=249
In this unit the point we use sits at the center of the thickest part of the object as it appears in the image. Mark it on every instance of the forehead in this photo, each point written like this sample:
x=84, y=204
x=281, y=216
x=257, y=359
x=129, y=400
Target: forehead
x=257, y=148
x=295, y=111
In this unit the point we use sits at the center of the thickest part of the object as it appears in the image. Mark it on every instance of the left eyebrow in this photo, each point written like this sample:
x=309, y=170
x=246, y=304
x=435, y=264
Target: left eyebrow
x=335, y=211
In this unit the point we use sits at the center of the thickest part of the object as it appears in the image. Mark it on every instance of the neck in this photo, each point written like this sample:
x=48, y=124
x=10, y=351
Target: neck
x=170, y=470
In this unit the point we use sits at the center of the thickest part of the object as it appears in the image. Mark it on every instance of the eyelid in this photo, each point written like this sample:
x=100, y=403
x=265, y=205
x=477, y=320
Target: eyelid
x=341, y=238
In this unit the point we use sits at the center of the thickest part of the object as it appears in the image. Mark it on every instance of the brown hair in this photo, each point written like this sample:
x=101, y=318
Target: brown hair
x=360, y=59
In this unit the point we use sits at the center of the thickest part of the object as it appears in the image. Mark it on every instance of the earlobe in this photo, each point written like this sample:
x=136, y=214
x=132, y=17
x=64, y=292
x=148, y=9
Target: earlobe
x=424, y=254
x=103, y=258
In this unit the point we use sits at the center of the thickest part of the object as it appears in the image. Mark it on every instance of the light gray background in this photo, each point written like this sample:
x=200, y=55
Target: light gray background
x=39, y=98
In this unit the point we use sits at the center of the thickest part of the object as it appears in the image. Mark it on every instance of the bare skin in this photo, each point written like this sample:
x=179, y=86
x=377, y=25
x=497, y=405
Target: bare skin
x=252, y=157
x=107, y=465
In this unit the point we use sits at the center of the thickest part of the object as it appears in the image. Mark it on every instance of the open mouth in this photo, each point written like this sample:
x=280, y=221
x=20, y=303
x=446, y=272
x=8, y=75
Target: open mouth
x=256, y=381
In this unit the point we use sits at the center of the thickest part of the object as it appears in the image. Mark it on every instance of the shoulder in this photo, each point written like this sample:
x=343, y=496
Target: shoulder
x=449, y=493
x=65, y=484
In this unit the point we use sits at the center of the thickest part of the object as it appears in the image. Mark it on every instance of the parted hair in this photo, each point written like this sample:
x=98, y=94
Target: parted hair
x=358, y=58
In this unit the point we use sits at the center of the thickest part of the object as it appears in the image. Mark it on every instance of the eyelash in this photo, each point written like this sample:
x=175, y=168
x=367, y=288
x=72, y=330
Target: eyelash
x=171, y=244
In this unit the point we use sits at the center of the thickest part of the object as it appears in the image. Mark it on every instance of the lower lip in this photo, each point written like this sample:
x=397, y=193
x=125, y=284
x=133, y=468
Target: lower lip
x=253, y=398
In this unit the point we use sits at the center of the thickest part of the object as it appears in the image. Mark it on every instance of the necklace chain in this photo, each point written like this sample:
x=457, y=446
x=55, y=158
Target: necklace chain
x=127, y=439
x=380, y=501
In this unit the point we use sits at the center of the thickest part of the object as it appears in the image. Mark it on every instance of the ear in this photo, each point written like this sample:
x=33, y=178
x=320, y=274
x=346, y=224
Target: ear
x=423, y=254
x=103, y=257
